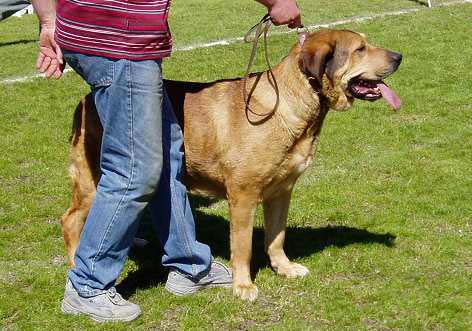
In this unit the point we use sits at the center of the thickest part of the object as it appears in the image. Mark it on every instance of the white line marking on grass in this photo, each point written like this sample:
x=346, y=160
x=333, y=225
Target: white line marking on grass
x=356, y=19
x=26, y=78
x=277, y=31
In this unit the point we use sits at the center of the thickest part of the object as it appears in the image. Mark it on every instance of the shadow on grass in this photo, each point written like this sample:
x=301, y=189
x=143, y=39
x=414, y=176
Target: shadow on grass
x=421, y=2
x=214, y=230
x=18, y=42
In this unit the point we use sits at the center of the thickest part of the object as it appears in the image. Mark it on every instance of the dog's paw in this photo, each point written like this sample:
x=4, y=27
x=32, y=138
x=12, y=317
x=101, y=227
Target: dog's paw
x=246, y=292
x=292, y=270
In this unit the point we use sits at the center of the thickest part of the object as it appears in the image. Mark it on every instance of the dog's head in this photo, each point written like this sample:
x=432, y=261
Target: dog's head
x=344, y=67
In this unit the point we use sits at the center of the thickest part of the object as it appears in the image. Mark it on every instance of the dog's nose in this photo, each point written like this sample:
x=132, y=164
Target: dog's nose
x=396, y=57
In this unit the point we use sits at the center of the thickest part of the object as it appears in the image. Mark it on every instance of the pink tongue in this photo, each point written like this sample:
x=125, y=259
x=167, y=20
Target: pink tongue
x=390, y=96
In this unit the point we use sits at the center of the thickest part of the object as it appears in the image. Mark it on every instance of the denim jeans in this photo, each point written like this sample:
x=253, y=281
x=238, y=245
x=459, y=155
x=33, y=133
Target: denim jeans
x=141, y=164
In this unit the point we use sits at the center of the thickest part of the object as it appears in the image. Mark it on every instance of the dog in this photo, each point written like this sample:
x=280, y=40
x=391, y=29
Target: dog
x=237, y=155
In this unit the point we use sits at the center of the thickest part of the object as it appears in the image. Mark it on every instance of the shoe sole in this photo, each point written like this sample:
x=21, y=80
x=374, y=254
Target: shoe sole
x=183, y=291
x=70, y=310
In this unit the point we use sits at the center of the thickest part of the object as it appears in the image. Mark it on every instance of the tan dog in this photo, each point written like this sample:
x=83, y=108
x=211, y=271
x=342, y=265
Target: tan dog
x=243, y=157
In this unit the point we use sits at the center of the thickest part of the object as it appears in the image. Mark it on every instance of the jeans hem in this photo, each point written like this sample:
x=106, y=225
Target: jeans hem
x=86, y=291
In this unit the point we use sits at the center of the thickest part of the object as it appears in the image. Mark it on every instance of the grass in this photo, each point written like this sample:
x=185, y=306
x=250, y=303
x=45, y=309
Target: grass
x=383, y=219
x=214, y=19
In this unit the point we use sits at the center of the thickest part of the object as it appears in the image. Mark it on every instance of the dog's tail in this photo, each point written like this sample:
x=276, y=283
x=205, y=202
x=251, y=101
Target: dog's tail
x=85, y=105
x=76, y=123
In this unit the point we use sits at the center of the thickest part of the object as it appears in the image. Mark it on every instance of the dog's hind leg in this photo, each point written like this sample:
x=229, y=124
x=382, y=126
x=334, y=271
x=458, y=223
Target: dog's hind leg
x=275, y=222
x=242, y=212
x=73, y=220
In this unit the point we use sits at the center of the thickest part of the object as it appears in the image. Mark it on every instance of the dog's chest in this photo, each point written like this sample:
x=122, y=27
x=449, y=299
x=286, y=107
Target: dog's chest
x=298, y=162
x=295, y=163
x=301, y=156
x=301, y=163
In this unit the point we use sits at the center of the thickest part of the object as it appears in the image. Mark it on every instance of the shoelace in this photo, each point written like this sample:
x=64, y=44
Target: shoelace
x=112, y=295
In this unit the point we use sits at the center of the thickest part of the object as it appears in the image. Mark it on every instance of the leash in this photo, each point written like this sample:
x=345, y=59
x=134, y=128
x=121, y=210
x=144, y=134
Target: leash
x=302, y=33
x=262, y=29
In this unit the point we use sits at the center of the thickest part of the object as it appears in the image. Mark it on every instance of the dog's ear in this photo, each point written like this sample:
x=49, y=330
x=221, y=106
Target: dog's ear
x=323, y=52
x=340, y=57
x=314, y=57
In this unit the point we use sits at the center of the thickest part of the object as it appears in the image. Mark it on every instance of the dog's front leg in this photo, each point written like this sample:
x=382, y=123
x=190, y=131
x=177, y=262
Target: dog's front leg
x=242, y=211
x=275, y=223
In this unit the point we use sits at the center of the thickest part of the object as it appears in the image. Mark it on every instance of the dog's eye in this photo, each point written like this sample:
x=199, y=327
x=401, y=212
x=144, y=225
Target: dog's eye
x=361, y=49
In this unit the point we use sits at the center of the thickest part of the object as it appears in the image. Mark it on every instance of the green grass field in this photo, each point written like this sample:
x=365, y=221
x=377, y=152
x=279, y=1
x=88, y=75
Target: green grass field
x=383, y=218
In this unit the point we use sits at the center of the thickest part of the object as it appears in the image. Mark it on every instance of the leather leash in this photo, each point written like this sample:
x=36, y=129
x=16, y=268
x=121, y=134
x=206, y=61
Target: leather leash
x=261, y=28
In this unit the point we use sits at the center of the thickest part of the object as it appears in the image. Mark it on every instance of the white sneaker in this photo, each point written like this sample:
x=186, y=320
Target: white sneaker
x=218, y=276
x=108, y=306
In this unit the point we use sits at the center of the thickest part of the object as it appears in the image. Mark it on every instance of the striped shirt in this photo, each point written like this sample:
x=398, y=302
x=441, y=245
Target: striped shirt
x=122, y=29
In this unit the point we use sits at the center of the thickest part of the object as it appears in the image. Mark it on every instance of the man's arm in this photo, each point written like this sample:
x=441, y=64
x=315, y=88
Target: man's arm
x=50, y=61
x=283, y=12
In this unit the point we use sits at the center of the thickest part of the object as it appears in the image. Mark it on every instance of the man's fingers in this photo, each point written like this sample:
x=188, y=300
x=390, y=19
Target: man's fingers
x=57, y=49
x=59, y=56
x=45, y=65
x=57, y=74
x=40, y=60
x=47, y=51
x=291, y=21
x=51, y=69
x=285, y=12
x=278, y=21
x=59, y=70
x=297, y=22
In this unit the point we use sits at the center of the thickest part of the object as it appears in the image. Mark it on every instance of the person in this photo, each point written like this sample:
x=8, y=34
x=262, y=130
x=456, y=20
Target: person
x=117, y=47
x=9, y=7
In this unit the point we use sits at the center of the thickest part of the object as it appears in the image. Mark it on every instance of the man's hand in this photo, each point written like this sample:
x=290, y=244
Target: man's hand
x=50, y=60
x=283, y=12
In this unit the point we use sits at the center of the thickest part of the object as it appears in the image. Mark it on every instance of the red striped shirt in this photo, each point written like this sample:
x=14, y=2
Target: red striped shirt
x=123, y=29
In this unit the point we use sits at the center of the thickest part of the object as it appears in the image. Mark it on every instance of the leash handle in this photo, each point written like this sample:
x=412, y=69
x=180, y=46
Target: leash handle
x=247, y=37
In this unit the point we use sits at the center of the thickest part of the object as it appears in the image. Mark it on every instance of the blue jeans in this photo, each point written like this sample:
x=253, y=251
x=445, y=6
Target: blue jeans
x=141, y=163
